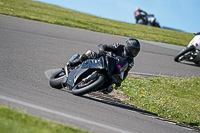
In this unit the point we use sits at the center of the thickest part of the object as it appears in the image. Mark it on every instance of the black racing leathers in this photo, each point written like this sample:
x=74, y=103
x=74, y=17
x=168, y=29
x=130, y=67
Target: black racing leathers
x=117, y=49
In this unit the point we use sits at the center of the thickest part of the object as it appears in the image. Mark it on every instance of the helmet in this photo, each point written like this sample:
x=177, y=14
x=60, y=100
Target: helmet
x=137, y=8
x=132, y=47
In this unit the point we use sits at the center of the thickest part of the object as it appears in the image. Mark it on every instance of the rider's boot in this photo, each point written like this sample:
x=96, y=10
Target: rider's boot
x=73, y=63
x=77, y=61
x=108, y=90
x=88, y=55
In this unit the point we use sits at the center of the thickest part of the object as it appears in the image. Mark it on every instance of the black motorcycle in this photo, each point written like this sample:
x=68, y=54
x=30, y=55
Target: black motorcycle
x=92, y=75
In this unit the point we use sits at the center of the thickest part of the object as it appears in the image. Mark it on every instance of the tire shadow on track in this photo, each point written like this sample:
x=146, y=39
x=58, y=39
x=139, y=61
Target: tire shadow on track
x=110, y=100
x=189, y=64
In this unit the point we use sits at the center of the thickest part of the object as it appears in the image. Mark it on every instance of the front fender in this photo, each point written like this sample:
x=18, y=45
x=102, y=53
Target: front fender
x=74, y=75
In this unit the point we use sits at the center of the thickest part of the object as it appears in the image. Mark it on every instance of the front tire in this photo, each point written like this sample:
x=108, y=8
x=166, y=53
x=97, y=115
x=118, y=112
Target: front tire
x=56, y=79
x=179, y=57
x=81, y=89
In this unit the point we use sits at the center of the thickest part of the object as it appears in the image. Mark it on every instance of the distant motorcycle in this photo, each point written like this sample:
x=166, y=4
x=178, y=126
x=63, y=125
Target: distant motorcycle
x=149, y=20
x=191, y=52
x=92, y=75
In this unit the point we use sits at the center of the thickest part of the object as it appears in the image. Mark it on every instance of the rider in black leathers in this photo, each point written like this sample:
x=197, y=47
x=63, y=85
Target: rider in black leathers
x=129, y=50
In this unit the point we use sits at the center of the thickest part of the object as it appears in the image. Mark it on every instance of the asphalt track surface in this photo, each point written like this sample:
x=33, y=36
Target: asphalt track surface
x=29, y=48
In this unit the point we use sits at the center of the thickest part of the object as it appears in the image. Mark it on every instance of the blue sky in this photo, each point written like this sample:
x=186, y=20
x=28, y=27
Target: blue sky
x=177, y=14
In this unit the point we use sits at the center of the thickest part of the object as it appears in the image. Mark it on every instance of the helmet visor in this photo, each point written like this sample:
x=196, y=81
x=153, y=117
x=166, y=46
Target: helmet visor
x=133, y=51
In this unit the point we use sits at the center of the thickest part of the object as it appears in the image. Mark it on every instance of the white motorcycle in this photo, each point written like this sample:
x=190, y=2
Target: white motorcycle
x=191, y=52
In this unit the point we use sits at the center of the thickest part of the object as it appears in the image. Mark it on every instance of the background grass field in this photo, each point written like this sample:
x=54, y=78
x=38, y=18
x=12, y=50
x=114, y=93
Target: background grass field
x=62, y=16
x=15, y=121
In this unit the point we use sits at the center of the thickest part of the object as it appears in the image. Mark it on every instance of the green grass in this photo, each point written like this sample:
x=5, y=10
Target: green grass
x=14, y=121
x=174, y=98
x=57, y=15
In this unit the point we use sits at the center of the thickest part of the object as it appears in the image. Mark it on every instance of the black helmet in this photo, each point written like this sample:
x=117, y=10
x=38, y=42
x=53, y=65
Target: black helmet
x=132, y=47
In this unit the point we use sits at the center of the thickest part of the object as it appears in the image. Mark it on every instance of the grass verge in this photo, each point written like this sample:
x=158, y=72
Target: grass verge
x=174, y=98
x=14, y=121
x=57, y=15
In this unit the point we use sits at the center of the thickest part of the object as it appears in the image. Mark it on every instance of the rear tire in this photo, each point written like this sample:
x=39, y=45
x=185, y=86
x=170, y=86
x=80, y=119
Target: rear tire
x=94, y=85
x=188, y=49
x=197, y=63
x=56, y=79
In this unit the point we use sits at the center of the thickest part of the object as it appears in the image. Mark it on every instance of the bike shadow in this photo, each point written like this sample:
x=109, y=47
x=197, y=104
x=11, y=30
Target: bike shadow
x=109, y=100
x=120, y=104
x=195, y=65
x=190, y=64
x=133, y=108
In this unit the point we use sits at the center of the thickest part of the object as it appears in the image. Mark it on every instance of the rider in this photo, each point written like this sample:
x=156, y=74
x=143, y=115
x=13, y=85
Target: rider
x=138, y=14
x=129, y=50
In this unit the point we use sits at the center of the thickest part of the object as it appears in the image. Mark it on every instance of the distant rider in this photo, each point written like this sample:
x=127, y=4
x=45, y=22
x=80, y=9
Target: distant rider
x=129, y=50
x=198, y=33
x=138, y=14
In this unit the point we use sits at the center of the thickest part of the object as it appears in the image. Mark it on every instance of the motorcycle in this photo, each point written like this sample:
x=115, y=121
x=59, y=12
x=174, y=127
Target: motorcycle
x=191, y=52
x=92, y=75
x=149, y=20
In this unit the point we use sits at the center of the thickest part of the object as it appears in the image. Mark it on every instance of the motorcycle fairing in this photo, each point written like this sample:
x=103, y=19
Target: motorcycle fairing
x=121, y=64
x=94, y=63
x=74, y=75
x=82, y=69
x=195, y=42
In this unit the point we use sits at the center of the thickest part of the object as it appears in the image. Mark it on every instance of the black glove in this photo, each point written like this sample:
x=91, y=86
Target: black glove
x=102, y=53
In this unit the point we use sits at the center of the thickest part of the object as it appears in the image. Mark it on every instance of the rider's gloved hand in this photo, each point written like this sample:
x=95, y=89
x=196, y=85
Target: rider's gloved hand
x=102, y=53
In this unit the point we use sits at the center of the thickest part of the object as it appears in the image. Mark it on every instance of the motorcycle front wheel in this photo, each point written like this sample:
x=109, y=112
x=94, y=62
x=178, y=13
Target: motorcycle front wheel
x=180, y=56
x=85, y=87
x=56, y=79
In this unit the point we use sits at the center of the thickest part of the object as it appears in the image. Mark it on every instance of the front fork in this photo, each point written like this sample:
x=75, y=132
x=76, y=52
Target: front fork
x=63, y=83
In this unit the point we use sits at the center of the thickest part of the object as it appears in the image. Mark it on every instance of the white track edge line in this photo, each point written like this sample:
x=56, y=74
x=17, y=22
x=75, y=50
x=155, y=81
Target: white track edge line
x=61, y=114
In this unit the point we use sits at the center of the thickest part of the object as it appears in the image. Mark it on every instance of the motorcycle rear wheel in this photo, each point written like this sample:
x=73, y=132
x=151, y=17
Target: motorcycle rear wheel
x=180, y=56
x=56, y=79
x=83, y=88
x=197, y=62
